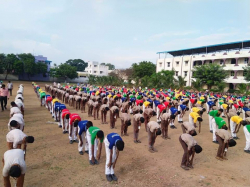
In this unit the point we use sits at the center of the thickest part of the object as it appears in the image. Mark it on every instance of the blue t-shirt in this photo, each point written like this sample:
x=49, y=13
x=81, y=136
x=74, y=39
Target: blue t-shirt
x=183, y=107
x=56, y=105
x=133, y=99
x=210, y=103
x=246, y=109
x=62, y=106
x=123, y=99
x=173, y=110
x=47, y=96
x=82, y=126
x=156, y=102
x=113, y=138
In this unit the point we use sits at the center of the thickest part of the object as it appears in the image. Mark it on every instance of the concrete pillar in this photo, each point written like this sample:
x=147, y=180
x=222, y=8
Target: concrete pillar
x=234, y=85
x=224, y=62
x=213, y=61
x=202, y=62
x=236, y=64
x=235, y=74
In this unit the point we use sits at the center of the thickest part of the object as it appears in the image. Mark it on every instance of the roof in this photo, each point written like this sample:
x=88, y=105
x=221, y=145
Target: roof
x=210, y=48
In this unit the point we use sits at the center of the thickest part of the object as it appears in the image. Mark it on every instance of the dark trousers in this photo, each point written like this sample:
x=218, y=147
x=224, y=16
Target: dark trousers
x=10, y=90
x=3, y=102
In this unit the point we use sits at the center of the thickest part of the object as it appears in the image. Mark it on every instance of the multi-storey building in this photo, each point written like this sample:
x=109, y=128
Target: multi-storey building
x=94, y=68
x=233, y=57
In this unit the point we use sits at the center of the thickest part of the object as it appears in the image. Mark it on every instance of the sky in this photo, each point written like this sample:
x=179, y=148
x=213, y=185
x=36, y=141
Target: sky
x=120, y=32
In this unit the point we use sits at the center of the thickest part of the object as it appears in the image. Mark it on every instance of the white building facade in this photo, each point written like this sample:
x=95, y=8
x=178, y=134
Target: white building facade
x=231, y=56
x=94, y=68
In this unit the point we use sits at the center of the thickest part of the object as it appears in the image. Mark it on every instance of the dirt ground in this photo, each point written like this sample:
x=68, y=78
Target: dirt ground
x=52, y=161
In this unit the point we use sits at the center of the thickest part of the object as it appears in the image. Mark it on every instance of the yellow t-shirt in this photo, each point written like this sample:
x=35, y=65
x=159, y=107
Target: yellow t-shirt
x=199, y=102
x=195, y=109
x=236, y=119
x=224, y=106
x=146, y=103
x=195, y=116
x=55, y=100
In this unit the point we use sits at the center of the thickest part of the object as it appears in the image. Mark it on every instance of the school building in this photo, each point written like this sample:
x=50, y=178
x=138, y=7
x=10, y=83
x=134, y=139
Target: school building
x=233, y=57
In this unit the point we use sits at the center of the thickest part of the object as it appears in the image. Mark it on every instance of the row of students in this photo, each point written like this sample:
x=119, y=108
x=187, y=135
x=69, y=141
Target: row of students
x=90, y=137
x=17, y=140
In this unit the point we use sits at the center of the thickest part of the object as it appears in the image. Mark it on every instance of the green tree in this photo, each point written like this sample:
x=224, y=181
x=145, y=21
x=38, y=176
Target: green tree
x=66, y=71
x=247, y=73
x=9, y=61
x=78, y=63
x=18, y=67
x=41, y=67
x=2, y=59
x=210, y=74
x=29, y=63
x=143, y=68
x=197, y=84
x=180, y=82
x=53, y=72
x=241, y=88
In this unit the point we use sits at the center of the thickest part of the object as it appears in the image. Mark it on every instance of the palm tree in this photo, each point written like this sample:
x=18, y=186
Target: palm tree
x=197, y=84
x=180, y=82
x=242, y=88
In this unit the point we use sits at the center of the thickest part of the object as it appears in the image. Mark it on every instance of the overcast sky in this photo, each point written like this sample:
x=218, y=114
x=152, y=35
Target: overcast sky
x=120, y=32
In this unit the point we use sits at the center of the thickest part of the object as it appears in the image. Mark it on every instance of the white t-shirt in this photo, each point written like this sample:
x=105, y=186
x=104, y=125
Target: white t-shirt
x=19, y=103
x=11, y=157
x=15, y=110
x=19, y=118
x=19, y=95
x=10, y=85
x=16, y=137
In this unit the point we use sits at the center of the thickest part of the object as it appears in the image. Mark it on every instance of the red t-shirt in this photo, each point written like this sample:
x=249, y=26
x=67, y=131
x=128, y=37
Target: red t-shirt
x=192, y=101
x=49, y=99
x=74, y=117
x=138, y=102
x=236, y=106
x=65, y=112
x=241, y=104
x=166, y=103
x=161, y=107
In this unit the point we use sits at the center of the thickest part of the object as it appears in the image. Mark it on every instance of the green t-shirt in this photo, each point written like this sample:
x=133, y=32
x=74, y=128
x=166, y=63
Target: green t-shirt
x=221, y=102
x=93, y=131
x=214, y=113
x=248, y=127
x=42, y=94
x=220, y=122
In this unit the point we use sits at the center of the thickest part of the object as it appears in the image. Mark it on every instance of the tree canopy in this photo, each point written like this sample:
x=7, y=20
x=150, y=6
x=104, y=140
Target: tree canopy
x=143, y=68
x=65, y=71
x=78, y=63
x=247, y=73
x=210, y=75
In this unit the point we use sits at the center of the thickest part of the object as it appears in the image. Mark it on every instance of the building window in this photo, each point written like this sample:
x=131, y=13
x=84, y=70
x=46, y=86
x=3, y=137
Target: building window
x=168, y=64
x=246, y=60
x=185, y=73
x=185, y=82
x=160, y=64
x=221, y=62
x=177, y=63
x=101, y=72
x=232, y=73
x=95, y=66
x=233, y=61
x=186, y=63
x=176, y=73
x=94, y=71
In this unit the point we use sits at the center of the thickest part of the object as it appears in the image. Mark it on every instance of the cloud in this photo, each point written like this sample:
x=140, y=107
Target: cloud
x=171, y=34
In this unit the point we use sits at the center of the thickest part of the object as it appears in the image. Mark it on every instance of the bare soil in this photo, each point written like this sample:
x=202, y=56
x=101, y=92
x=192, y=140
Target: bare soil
x=52, y=161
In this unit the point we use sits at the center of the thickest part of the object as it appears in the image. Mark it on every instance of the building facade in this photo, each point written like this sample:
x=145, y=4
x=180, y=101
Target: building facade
x=233, y=57
x=94, y=68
